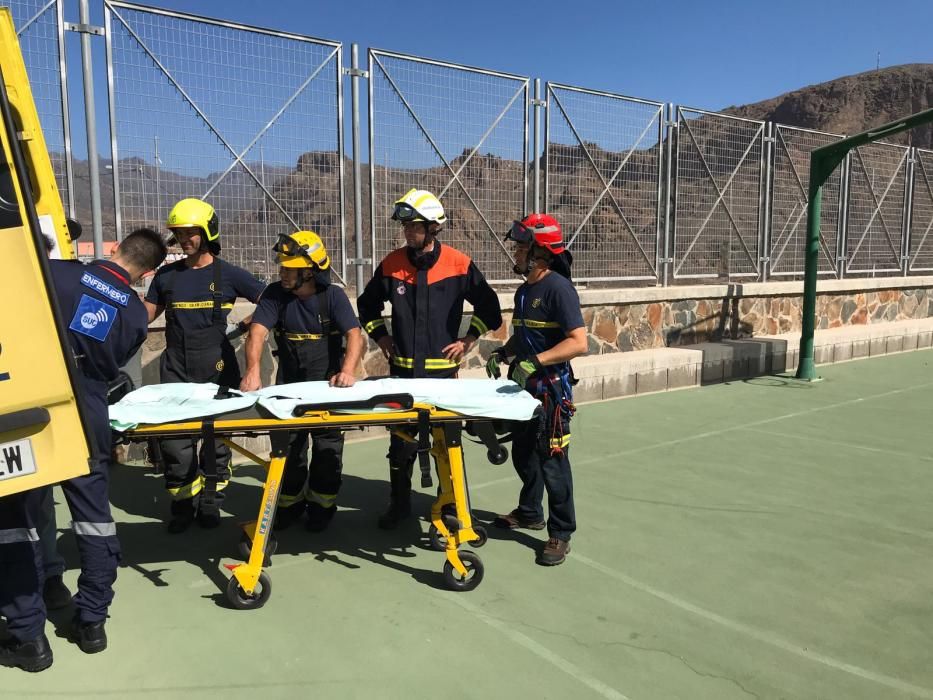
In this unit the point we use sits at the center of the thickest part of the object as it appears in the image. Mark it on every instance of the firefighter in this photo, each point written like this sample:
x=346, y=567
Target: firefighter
x=311, y=319
x=426, y=283
x=107, y=323
x=548, y=333
x=197, y=294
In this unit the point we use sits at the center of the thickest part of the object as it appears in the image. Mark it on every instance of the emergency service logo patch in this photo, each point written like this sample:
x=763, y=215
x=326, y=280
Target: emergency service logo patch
x=536, y=303
x=93, y=318
x=400, y=289
x=219, y=366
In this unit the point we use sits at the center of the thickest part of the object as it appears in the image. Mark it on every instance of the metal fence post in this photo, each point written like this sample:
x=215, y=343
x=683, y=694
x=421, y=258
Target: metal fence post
x=843, y=238
x=90, y=118
x=671, y=130
x=764, y=255
x=908, y=213
x=538, y=104
x=357, y=176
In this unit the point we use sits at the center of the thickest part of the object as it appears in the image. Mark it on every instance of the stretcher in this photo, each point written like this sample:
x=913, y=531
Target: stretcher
x=438, y=432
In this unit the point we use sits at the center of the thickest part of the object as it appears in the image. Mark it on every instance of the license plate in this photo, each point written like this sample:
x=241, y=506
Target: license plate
x=16, y=459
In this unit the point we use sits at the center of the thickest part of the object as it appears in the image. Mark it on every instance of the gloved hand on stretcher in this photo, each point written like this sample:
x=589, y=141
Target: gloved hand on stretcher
x=496, y=357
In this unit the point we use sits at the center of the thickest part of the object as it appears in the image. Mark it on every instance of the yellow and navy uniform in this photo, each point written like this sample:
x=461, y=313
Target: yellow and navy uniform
x=545, y=313
x=309, y=335
x=427, y=294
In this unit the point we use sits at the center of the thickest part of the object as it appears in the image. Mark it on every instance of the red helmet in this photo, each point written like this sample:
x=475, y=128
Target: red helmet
x=542, y=229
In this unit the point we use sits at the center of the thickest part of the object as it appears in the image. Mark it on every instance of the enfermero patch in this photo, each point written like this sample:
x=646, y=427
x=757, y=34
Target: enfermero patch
x=93, y=318
x=108, y=290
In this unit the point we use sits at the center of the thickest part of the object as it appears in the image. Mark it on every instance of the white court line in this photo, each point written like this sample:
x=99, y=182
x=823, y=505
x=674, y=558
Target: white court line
x=840, y=443
x=758, y=634
x=537, y=649
x=764, y=421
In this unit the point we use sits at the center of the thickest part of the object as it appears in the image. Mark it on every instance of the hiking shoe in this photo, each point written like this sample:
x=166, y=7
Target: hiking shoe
x=319, y=517
x=33, y=655
x=90, y=637
x=55, y=593
x=555, y=551
x=513, y=521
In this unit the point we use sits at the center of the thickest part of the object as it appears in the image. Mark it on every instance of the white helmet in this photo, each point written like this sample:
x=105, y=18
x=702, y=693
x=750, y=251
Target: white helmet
x=419, y=205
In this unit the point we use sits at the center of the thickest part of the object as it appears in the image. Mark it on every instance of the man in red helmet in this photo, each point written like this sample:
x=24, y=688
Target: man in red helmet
x=548, y=332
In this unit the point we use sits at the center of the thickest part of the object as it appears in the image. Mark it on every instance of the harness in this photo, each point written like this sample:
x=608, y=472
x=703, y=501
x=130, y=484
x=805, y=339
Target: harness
x=548, y=386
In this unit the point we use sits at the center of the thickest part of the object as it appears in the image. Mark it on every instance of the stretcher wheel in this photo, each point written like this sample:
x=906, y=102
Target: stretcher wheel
x=436, y=540
x=497, y=457
x=474, y=567
x=483, y=536
x=245, y=547
x=238, y=598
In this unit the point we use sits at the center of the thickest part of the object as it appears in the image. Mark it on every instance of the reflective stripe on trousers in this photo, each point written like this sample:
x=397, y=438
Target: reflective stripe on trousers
x=19, y=534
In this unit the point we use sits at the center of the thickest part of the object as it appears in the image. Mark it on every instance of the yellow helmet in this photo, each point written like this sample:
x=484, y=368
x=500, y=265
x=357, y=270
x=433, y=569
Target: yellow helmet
x=419, y=205
x=197, y=214
x=303, y=249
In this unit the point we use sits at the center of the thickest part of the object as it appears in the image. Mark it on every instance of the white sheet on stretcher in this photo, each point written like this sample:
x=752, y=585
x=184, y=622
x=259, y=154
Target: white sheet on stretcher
x=170, y=403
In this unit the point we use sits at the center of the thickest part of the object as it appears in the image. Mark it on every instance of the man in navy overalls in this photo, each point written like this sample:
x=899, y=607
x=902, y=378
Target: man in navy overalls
x=107, y=323
x=548, y=333
x=311, y=319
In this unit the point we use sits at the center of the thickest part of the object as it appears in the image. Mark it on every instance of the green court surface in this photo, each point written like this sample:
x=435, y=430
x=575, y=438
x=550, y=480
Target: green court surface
x=764, y=538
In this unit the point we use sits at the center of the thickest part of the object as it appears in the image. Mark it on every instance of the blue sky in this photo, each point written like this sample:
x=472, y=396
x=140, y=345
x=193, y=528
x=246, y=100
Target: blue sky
x=700, y=54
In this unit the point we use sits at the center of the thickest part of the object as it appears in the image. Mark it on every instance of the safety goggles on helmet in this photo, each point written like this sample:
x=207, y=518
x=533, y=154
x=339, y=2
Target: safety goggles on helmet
x=405, y=213
x=286, y=245
x=520, y=233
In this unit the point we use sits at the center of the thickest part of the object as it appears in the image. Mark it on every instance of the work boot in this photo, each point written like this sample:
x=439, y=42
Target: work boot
x=33, y=655
x=90, y=637
x=182, y=516
x=319, y=517
x=209, y=519
x=55, y=593
x=399, y=498
x=555, y=551
x=514, y=521
x=288, y=516
x=399, y=509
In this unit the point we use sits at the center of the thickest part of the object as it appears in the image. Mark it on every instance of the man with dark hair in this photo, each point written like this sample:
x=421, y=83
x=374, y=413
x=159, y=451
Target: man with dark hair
x=107, y=323
x=197, y=294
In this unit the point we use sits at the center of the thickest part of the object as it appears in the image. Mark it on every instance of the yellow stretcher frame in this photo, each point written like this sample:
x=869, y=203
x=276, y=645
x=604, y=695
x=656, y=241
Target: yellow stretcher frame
x=250, y=586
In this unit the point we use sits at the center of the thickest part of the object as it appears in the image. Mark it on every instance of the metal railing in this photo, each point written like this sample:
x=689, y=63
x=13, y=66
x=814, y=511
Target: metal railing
x=40, y=28
x=252, y=120
x=602, y=171
x=459, y=132
x=246, y=118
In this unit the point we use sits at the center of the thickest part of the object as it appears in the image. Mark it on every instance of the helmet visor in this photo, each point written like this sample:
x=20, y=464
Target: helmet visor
x=406, y=212
x=288, y=246
x=520, y=233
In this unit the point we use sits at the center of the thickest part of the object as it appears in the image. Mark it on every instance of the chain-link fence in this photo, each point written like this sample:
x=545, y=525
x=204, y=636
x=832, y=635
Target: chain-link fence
x=40, y=30
x=602, y=166
x=459, y=132
x=245, y=118
x=875, y=215
x=921, y=219
x=252, y=120
x=718, y=195
x=790, y=179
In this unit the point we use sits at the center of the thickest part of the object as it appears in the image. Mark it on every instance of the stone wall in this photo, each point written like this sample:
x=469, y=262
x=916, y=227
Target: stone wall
x=657, y=317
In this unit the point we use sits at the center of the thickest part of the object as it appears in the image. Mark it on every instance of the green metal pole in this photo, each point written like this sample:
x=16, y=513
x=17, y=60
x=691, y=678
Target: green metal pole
x=822, y=163
x=806, y=365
